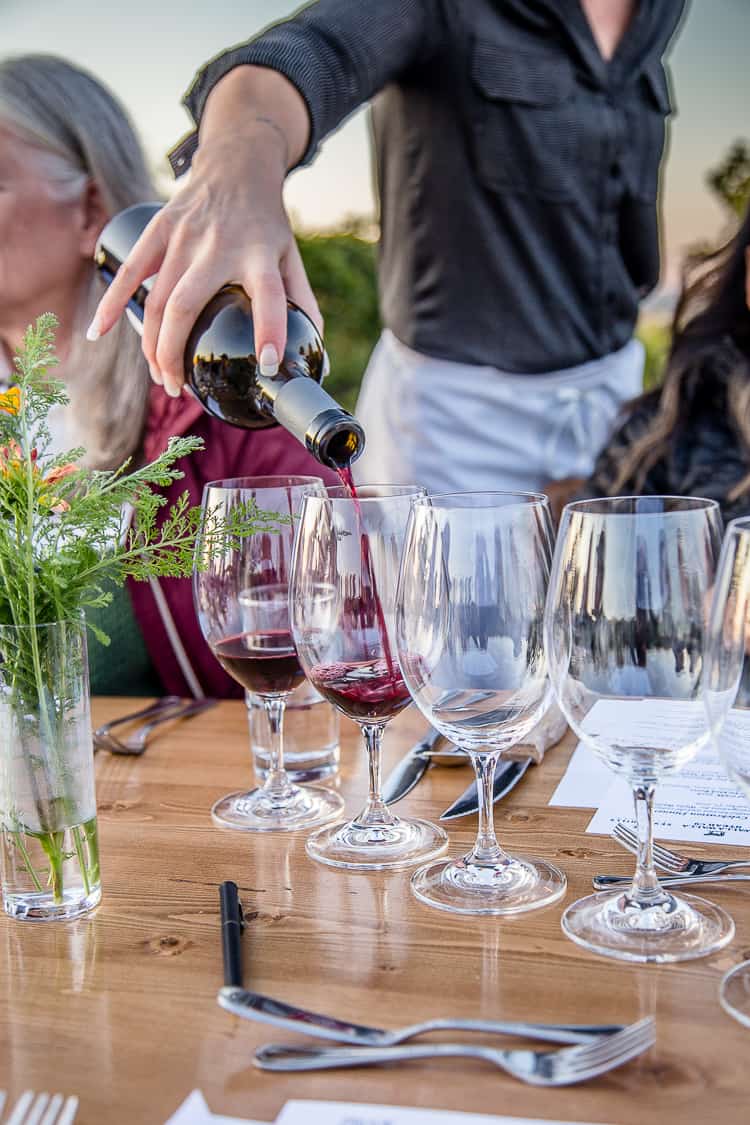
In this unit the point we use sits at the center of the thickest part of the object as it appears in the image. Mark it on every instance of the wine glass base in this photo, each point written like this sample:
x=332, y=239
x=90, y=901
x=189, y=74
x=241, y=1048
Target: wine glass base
x=611, y=924
x=255, y=811
x=523, y=883
x=734, y=993
x=377, y=848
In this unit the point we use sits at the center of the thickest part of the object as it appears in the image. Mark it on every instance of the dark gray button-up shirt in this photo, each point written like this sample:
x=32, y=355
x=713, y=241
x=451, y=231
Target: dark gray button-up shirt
x=518, y=171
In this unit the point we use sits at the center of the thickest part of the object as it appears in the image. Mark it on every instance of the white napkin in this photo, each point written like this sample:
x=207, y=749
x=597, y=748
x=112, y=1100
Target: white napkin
x=343, y=1113
x=547, y=733
x=194, y=1111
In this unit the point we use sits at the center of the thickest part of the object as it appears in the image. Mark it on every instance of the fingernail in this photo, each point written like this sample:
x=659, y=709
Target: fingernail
x=269, y=360
x=156, y=376
x=93, y=332
x=173, y=390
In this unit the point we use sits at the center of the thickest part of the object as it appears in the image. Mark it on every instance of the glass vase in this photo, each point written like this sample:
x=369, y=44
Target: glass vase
x=50, y=853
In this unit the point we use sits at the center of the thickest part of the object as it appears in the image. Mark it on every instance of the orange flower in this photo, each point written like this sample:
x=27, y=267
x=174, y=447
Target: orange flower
x=10, y=401
x=56, y=474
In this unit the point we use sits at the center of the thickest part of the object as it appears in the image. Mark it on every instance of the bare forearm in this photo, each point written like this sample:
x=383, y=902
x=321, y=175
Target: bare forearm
x=255, y=104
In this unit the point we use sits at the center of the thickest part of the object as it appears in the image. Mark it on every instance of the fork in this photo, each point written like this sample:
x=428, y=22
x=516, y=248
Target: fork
x=604, y=882
x=675, y=862
x=43, y=1109
x=136, y=742
x=102, y=733
x=561, y=1067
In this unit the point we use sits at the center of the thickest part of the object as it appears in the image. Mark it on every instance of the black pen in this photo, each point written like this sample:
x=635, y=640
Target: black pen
x=232, y=925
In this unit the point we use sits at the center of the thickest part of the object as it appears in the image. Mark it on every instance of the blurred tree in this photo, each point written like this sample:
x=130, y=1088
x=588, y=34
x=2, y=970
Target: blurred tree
x=730, y=179
x=341, y=267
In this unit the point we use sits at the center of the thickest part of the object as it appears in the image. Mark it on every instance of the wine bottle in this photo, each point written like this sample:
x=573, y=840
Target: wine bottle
x=221, y=367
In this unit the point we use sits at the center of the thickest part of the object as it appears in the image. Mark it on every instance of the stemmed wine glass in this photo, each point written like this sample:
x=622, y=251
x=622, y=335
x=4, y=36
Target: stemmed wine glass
x=626, y=636
x=241, y=594
x=728, y=686
x=343, y=591
x=471, y=594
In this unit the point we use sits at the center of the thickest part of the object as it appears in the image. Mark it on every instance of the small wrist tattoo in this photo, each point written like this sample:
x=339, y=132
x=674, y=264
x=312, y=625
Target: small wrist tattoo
x=279, y=132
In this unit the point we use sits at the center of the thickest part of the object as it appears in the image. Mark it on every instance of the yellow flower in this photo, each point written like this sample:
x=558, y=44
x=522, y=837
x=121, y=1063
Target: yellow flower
x=10, y=401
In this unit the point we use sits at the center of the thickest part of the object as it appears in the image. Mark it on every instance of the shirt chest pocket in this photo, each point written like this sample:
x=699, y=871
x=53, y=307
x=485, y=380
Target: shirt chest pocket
x=646, y=111
x=525, y=126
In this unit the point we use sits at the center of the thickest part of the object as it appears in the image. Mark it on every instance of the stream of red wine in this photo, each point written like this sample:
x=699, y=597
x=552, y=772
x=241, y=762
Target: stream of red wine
x=346, y=478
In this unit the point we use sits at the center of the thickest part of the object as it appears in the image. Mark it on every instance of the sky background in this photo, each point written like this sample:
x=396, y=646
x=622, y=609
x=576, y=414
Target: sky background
x=148, y=50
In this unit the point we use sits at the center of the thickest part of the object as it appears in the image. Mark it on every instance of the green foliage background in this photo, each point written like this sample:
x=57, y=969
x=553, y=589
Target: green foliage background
x=342, y=271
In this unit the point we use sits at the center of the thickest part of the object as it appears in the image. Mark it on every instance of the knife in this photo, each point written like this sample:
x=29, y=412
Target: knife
x=507, y=774
x=413, y=766
x=264, y=1009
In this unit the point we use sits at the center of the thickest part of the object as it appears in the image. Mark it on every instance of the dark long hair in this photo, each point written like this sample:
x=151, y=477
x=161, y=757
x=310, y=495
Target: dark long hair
x=711, y=326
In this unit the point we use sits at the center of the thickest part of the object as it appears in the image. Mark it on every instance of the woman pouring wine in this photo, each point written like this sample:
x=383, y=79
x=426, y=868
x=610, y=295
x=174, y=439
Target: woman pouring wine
x=518, y=150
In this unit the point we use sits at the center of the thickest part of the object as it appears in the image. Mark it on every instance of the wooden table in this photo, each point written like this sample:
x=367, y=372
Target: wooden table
x=120, y=1007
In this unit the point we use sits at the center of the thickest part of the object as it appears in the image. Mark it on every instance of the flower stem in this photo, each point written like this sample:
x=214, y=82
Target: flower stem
x=52, y=842
x=18, y=834
x=83, y=865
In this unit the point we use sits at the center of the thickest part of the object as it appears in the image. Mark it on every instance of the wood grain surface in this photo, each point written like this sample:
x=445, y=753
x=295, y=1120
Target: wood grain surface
x=120, y=1008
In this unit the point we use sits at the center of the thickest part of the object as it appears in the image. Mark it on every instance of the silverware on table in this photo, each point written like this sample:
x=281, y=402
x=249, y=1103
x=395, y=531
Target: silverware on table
x=414, y=764
x=137, y=741
x=605, y=882
x=42, y=1109
x=507, y=775
x=675, y=862
x=168, y=701
x=264, y=1009
x=561, y=1067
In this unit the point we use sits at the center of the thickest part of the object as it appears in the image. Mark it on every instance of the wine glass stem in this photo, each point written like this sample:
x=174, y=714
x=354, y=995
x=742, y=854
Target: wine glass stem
x=277, y=783
x=646, y=889
x=375, y=811
x=486, y=848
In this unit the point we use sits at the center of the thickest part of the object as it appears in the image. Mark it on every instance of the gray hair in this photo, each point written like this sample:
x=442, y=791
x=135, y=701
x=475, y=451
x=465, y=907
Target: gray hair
x=80, y=133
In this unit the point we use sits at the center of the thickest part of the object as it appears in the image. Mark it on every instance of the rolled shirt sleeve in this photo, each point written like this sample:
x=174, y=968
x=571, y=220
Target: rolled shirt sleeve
x=337, y=53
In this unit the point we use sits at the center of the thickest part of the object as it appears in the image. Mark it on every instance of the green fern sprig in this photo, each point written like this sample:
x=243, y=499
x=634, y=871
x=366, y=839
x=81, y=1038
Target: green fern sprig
x=67, y=532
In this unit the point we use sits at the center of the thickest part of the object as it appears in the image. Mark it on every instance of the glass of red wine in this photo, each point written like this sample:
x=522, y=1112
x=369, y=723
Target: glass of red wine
x=471, y=596
x=241, y=594
x=342, y=604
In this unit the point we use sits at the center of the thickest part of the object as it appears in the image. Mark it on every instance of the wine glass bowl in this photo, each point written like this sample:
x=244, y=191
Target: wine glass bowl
x=241, y=593
x=471, y=602
x=342, y=613
x=626, y=640
x=727, y=699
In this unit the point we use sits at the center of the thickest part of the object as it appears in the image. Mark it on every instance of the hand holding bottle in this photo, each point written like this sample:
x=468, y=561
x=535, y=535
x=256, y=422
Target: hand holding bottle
x=227, y=225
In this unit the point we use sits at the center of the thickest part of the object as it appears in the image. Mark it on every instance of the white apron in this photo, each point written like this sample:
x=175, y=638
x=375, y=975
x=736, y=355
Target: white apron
x=456, y=427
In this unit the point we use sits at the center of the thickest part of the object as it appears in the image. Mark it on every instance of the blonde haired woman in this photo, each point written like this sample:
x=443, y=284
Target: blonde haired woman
x=69, y=160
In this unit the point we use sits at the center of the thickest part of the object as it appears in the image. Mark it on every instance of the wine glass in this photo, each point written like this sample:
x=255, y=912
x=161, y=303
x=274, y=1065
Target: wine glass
x=728, y=686
x=343, y=600
x=471, y=594
x=626, y=639
x=241, y=594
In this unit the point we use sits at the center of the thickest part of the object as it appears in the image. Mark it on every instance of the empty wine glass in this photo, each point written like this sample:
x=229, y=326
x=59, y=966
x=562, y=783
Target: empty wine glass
x=626, y=637
x=472, y=587
x=727, y=687
x=241, y=594
x=343, y=600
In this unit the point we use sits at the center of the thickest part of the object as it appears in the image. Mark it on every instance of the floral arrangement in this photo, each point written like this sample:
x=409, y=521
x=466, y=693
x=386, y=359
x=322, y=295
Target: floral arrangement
x=67, y=532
